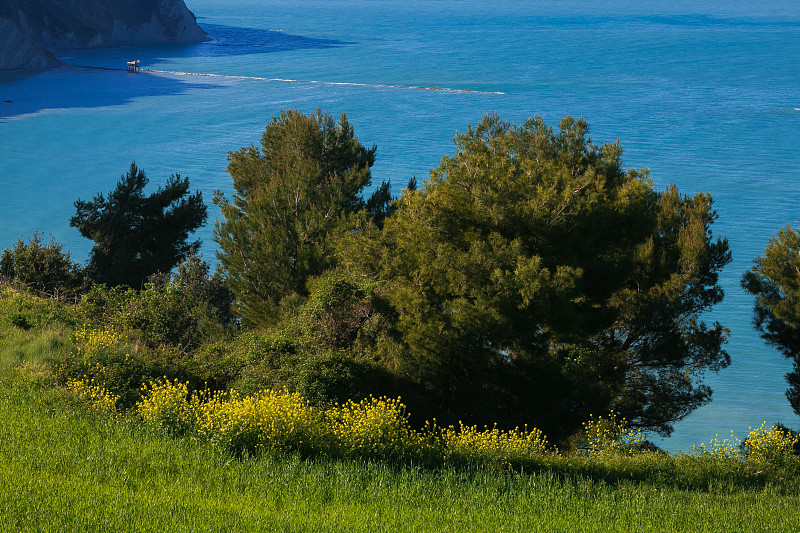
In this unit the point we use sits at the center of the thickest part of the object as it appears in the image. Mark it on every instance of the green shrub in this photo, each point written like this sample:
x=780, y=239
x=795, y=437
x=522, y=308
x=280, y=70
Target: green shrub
x=105, y=358
x=324, y=350
x=339, y=310
x=18, y=320
x=178, y=311
x=156, y=316
x=43, y=268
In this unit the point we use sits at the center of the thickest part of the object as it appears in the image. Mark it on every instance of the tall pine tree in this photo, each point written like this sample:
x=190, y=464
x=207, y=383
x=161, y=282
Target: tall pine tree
x=294, y=197
x=136, y=235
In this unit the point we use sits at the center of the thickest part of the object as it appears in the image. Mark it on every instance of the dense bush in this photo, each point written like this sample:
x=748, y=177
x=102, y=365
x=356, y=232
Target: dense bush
x=43, y=268
x=254, y=361
x=325, y=350
x=176, y=311
x=105, y=359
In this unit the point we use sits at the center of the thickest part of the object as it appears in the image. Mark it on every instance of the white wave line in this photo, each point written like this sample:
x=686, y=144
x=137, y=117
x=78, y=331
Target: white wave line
x=351, y=84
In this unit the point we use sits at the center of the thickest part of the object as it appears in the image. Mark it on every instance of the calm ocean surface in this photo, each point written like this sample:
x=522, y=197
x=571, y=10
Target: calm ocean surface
x=705, y=96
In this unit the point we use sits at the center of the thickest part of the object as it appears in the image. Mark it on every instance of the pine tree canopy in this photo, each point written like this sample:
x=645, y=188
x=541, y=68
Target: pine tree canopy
x=534, y=281
x=137, y=235
x=294, y=197
x=774, y=280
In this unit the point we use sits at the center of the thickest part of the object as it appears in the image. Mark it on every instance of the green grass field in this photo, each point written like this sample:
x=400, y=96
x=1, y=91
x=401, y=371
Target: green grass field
x=66, y=468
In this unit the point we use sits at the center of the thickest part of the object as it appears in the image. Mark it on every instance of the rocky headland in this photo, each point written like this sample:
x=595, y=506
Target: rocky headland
x=31, y=29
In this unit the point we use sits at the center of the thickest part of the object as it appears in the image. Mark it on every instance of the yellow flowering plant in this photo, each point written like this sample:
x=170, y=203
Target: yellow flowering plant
x=610, y=435
x=106, y=355
x=89, y=369
x=772, y=447
x=169, y=406
x=100, y=398
x=266, y=422
x=494, y=446
x=764, y=448
x=378, y=428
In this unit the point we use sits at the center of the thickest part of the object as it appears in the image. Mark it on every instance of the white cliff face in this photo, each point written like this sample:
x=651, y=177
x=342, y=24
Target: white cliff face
x=184, y=22
x=171, y=21
x=34, y=26
x=19, y=51
x=183, y=27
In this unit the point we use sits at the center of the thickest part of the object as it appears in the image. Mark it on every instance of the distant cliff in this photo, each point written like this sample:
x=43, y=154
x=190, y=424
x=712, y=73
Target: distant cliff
x=29, y=28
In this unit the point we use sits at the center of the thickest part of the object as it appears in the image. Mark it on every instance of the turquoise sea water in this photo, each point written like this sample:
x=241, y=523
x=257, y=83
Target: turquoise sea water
x=705, y=95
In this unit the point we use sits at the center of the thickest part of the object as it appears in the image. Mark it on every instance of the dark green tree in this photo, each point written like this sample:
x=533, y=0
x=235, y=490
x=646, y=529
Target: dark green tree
x=533, y=280
x=137, y=235
x=774, y=280
x=294, y=197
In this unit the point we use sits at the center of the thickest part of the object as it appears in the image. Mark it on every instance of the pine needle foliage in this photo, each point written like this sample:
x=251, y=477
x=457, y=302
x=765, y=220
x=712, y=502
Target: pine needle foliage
x=294, y=197
x=534, y=280
x=137, y=235
x=774, y=281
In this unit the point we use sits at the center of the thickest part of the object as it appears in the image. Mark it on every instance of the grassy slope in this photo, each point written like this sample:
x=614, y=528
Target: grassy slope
x=63, y=468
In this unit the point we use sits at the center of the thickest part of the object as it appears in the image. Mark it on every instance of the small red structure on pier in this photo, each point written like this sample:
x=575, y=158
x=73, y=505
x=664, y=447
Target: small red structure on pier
x=134, y=66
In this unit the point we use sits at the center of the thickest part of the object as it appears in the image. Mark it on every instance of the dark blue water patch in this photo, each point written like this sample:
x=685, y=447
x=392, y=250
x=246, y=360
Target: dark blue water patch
x=224, y=41
x=228, y=40
x=69, y=87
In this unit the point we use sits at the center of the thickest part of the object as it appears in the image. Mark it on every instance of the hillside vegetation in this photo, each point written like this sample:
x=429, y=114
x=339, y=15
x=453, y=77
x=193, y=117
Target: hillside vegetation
x=504, y=337
x=69, y=464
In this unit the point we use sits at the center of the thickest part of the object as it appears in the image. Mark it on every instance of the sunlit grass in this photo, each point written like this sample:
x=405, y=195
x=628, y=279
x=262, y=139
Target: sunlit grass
x=32, y=329
x=67, y=468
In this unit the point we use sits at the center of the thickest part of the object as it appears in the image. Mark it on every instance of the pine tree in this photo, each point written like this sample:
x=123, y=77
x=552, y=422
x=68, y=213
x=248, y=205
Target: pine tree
x=136, y=235
x=293, y=199
x=774, y=280
x=533, y=280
